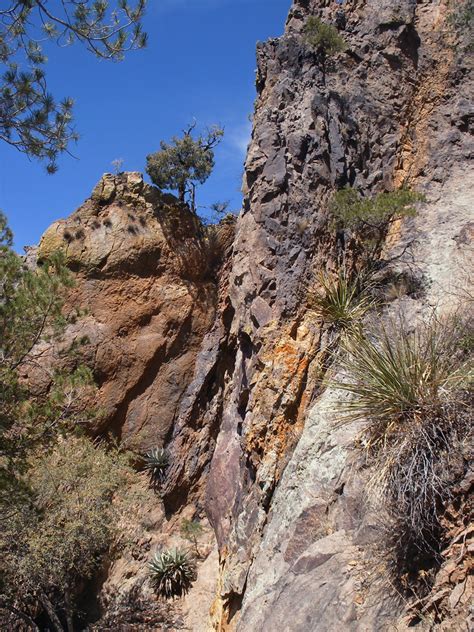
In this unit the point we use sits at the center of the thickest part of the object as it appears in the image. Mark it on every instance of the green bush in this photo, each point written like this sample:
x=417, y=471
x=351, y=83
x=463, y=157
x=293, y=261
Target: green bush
x=369, y=218
x=191, y=530
x=323, y=37
x=55, y=539
x=352, y=211
x=172, y=572
x=461, y=19
x=341, y=300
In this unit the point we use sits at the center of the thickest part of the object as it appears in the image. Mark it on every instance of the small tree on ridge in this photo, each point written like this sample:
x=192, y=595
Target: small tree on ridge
x=185, y=162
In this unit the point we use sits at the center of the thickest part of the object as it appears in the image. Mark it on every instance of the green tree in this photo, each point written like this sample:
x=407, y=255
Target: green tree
x=371, y=217
x=324, y=39
x=185, y=162
x=30, y=311
x=30, y=119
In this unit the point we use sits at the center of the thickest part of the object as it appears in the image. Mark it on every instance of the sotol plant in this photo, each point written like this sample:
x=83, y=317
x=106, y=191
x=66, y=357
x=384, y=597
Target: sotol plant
x=342, y=300
x=172, y=572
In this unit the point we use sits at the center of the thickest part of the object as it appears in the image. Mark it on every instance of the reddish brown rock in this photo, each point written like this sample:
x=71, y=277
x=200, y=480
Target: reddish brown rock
x=144, y=280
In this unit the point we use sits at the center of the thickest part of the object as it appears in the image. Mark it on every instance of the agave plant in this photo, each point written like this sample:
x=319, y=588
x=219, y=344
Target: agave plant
x=156, y=462
x=172, y=572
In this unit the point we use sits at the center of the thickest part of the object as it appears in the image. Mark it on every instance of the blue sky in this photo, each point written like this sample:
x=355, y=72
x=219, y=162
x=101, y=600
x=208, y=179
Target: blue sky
x=200, y=62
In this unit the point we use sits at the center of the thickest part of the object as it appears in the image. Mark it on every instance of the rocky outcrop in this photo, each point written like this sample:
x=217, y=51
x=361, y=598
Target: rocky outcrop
x=147, y=296
x=228, y=369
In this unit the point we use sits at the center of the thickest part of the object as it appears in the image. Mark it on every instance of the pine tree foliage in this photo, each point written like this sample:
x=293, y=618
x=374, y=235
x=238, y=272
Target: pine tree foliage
x=30, y=312
x=184, y=162
x=323, y=37
x=30, y=118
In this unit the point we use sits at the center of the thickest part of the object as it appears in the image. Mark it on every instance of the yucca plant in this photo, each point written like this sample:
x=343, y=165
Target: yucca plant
x=341, y=300
x=172, y=572
x=156, y=462
x=413, y=391
x=397, y=377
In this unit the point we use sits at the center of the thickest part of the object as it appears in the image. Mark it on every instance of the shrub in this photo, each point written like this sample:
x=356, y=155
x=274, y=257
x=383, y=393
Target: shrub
x=352, y=211
x=341, y=300
x=157, y=462
x=323, y=37
x=172, y=572
x=412, y=390
x=56, y=537
x=370, y=218
x=461, y=19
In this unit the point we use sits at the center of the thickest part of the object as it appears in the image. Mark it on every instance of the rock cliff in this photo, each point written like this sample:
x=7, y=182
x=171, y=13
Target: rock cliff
x=148, y=295
x=226, y=366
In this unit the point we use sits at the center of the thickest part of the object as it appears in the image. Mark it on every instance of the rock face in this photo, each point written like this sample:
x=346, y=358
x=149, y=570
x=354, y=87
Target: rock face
x=228, y=372
x=291, y=524
x=149, y=296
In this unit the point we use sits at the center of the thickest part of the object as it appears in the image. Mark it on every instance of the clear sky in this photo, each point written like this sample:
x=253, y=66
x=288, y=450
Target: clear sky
x=200, y=62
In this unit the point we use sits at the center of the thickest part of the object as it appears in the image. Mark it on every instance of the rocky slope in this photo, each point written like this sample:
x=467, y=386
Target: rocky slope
x=229, y=373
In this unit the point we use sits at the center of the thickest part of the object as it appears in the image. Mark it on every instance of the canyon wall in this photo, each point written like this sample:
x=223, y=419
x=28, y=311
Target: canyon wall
x=394, y=109
x=226, y=366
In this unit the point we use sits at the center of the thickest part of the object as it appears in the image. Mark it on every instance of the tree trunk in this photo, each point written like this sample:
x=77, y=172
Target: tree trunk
x=48, y=606
x=69, y=616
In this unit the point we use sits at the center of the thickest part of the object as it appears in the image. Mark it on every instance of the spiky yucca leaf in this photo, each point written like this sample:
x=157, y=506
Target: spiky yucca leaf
x=172, y=572
x=341, y=300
